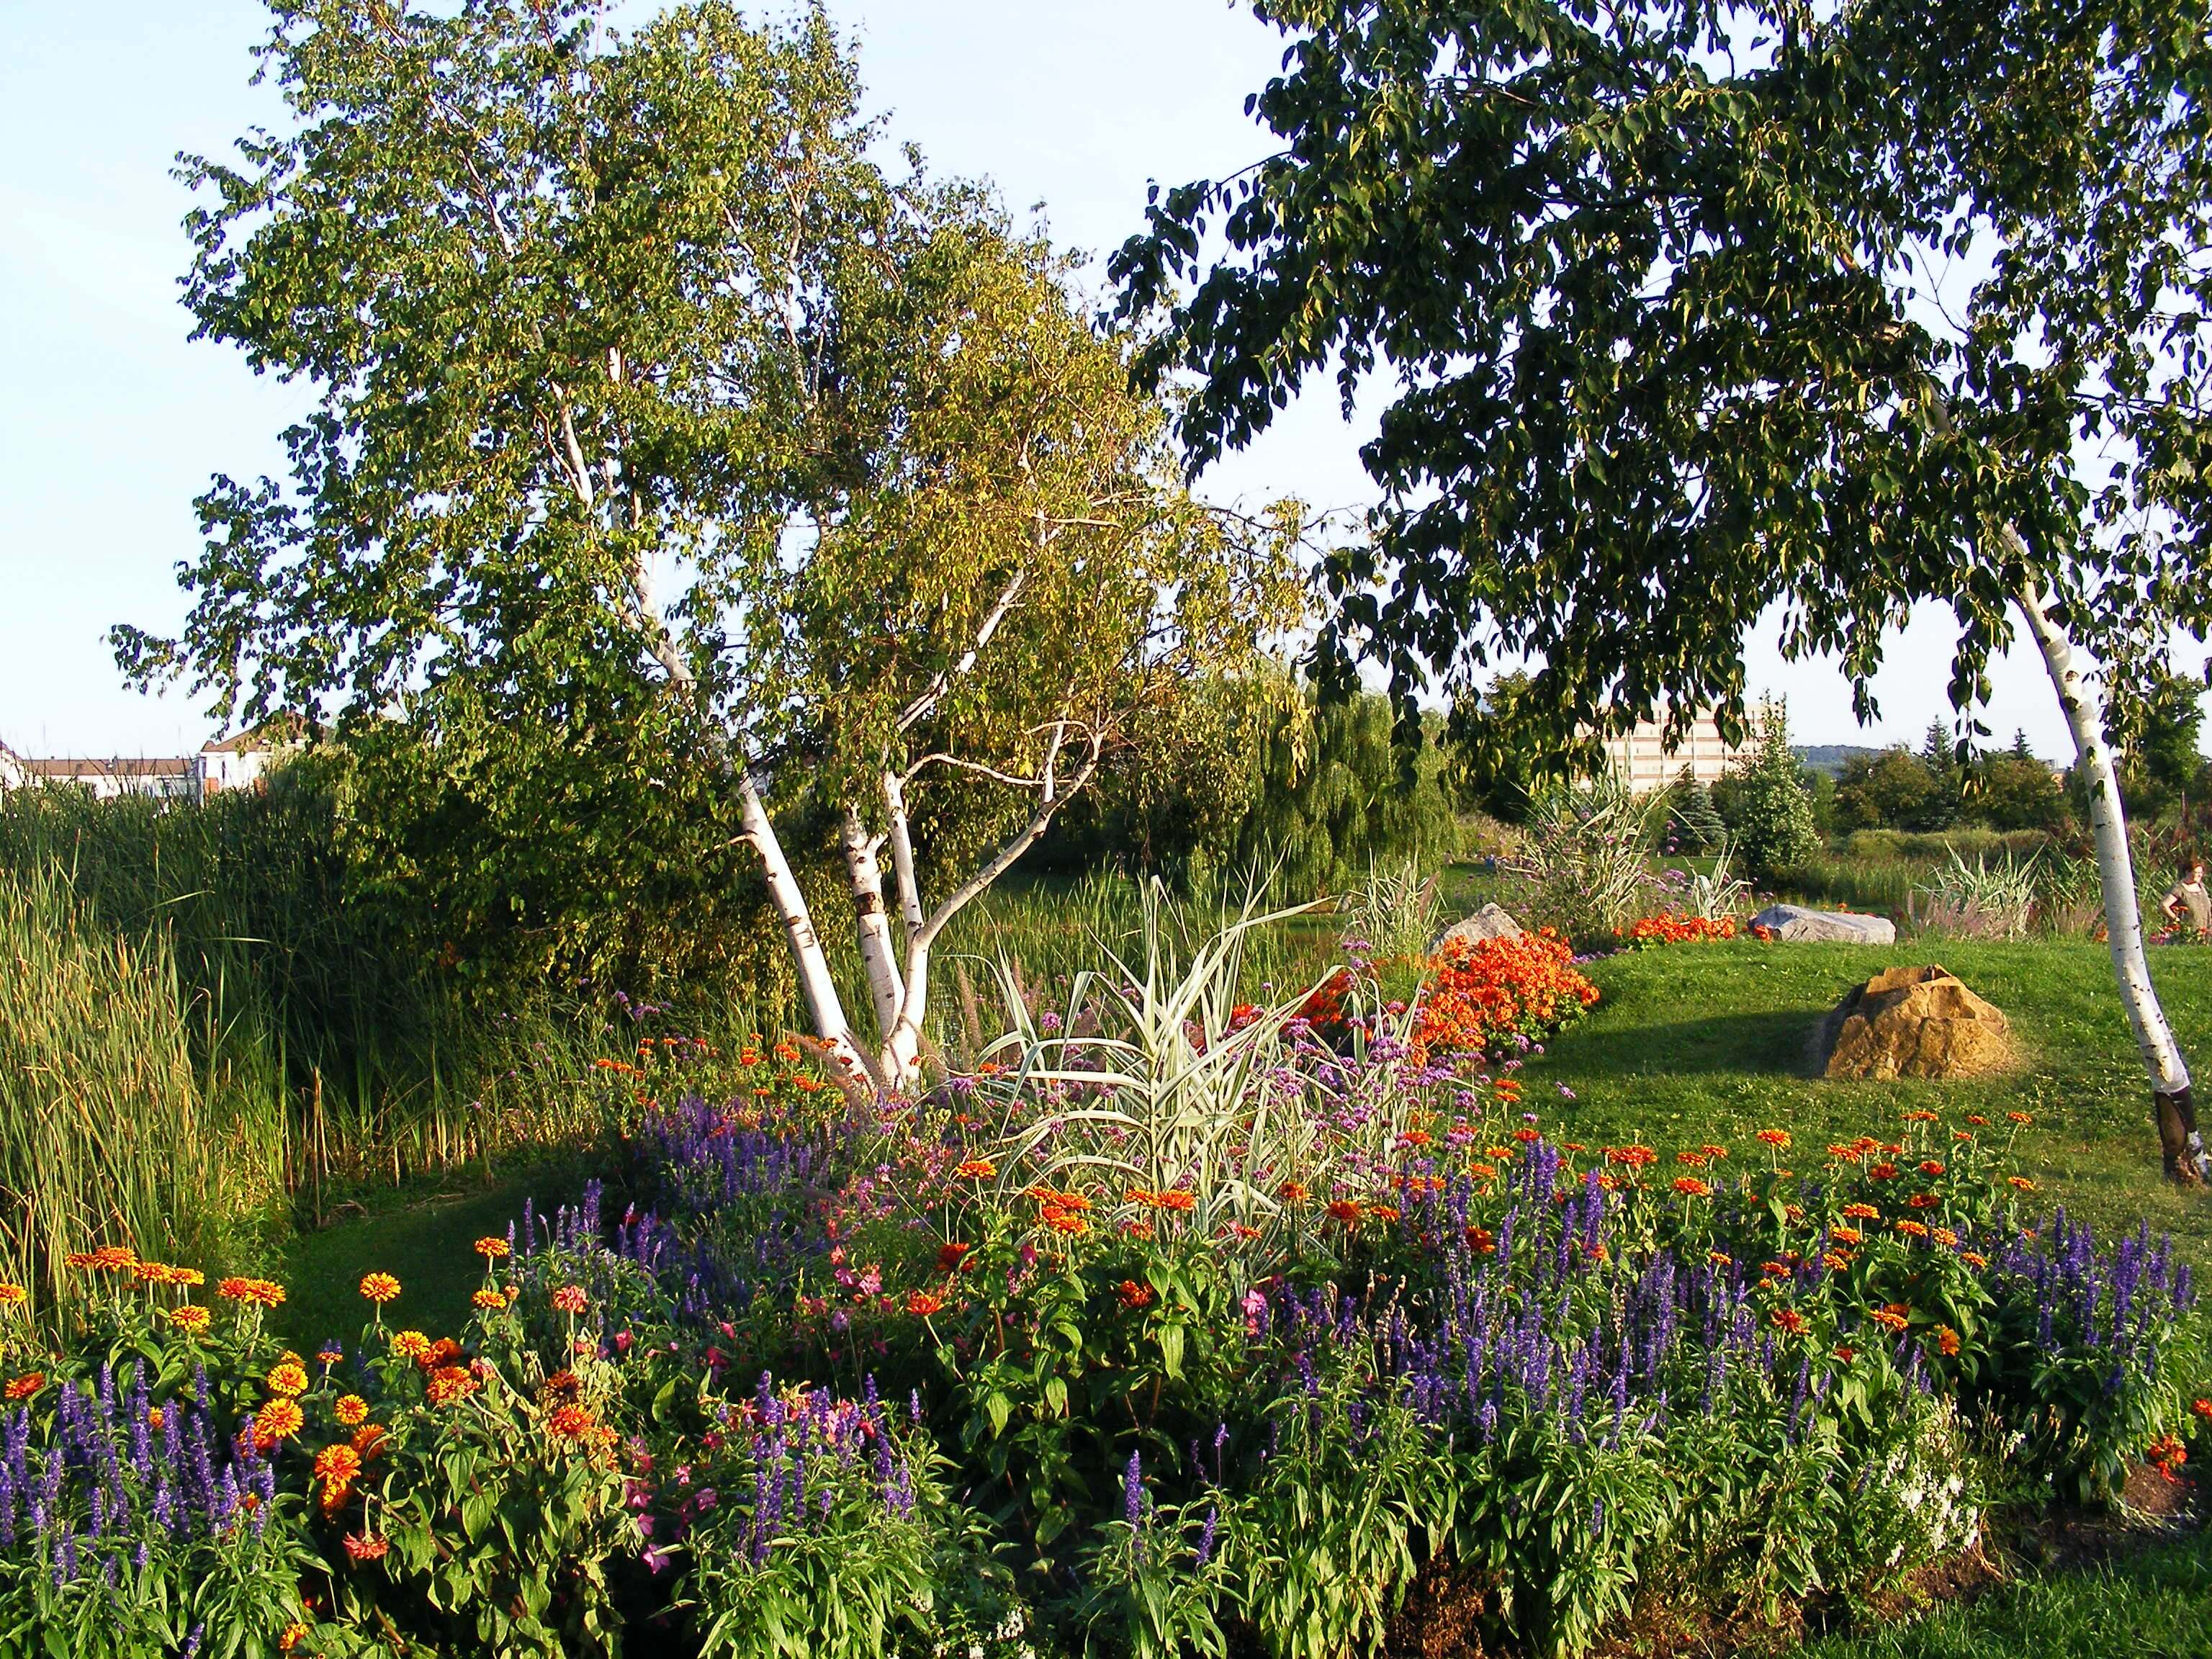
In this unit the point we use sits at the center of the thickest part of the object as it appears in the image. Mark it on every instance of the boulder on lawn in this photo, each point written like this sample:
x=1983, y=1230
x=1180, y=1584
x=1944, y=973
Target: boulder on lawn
x=1489, y=922
x=1797, y=924
x=1914, y=1022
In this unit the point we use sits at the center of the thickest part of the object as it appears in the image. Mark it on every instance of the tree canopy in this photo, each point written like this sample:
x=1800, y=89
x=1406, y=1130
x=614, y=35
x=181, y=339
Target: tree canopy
x=1689, y=309
x=663, y=433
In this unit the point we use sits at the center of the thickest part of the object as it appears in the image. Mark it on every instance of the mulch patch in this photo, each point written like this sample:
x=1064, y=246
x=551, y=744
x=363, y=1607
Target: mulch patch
x=1443, y=1617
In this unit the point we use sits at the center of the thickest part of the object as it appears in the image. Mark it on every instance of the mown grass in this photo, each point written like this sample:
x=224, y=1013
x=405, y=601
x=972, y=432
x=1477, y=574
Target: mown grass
x=1713, y=1041
x=2155, y=1603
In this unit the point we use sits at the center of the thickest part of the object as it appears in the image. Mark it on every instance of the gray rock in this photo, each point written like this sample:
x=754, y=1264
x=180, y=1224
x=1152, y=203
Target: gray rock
x=1489, y=922
x=1796, y=923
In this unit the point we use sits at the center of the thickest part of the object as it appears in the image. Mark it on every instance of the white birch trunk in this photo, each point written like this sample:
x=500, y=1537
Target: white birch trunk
x=909, y=888
x=2161, y=1054
x=823, y=1006
x=872, y=924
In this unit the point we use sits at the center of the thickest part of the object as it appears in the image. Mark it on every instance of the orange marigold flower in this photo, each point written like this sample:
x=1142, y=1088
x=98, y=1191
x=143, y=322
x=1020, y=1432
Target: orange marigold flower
x=1695, y=1160
x=1636, y=1158
x=1862, y=1211
x=13, y=1296
x=1691, y=1186
x=1482, y=1241
x=2203, y=1408
x=1836, y=1261
x=23, y=1387
x=569, y=1423
x=1946, y=1340
x=2020, y=1183
x=288, y=1377
x=1912, y=1229
x=1176, y=1199
x=293, y=1635
x=491, y=1248
x=368, y=1440
x=1843, y=1235
x=951, y=1256
x=1787, y=1320
x=1711, y=1150
x=488, y=1297
x=410, y=1345
x=1384, y=1212
x=2022, y=1117
x=1847, y=1355
x=1944, y=1236
x=380, y=1288
x=923, y=1302
x=1063, y=1221
x=337, y=1462
x=977, y=1168
x=1139, y=1230
x=1294, y=1192
x=1924, y=1200
x=1133, y=1295
x=1973, y=1258
x=1895, y=1317
x=1720, y=1258
x=191, y=1319
x=451, y=1384
x=1930, y=1167
x=1525, y=1133
x=1344, y=1210
x=278, y=1419
x=1882, y=1171
x=366, y=1549
x=351, y=1410
x=1776, y=1137
x=1920, y=1116
x=570, y=1299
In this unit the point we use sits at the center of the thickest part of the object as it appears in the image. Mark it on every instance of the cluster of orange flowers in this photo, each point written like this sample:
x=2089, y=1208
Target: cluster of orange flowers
x=1063, y=1212
x=1676, y=927
x=1485, y=991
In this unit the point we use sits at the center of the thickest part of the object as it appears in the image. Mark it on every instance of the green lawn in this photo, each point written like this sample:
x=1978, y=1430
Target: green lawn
x=1712, y=1041
x=2155, y=1604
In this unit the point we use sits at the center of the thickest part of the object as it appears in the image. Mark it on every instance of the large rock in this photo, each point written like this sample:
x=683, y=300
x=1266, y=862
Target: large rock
x=1914, y=1022
x=1796, y=923
x=1489, y=922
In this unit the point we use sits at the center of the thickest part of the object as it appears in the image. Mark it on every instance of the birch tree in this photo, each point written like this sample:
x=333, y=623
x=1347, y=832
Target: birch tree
x=1696, y=310
x=641, y=387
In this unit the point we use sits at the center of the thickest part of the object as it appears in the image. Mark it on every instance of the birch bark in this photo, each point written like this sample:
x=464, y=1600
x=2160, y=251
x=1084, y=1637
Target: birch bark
x=2182, y=1147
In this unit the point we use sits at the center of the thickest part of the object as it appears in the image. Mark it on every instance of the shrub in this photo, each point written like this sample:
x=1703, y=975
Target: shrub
x=1768, y=808
x=1583, y=859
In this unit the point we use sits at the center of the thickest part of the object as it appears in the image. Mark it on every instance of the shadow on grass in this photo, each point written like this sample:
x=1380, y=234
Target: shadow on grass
x=1769, y=1043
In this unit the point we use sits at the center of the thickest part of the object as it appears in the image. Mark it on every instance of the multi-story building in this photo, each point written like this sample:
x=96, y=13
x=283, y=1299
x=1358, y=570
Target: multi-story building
x=1644, y=760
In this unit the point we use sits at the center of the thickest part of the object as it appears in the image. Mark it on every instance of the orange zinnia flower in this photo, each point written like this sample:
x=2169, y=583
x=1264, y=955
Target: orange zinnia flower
x=1691, y=1186
x=491, y=1249
x=977, y=1168
x=351, y=1410
x=1344, y=1210
x=191, y=1319
x=1133, y=1295
x=380, y=1288
x=923, y=1302
x=570, y=1299
x=23, y=1387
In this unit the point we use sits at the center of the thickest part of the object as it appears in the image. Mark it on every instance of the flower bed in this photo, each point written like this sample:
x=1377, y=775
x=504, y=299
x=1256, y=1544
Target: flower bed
x=1155, y=1356
x=1677, y=927
x=1485, y=995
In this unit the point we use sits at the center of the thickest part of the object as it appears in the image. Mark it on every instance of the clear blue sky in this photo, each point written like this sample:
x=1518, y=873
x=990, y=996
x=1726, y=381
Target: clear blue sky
x=110, y=422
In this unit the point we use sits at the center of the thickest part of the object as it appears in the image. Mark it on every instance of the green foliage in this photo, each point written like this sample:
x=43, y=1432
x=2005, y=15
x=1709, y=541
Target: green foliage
x=1693, y=825
x=580, y=310
x=1768, y=808
x=1655, y=321
x=129, y=1113
x=1586, y=856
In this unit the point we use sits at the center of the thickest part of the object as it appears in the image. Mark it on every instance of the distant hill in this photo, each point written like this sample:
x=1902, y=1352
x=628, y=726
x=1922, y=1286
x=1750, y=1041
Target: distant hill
x=1829, y=757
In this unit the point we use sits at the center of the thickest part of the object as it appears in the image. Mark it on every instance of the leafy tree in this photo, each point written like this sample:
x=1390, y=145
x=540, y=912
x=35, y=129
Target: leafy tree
x=660, y=431
x=1769, y=810
x=1892, y=790
x=2014, y=790
x=1501, y=760
x=2158, y=735
x=1692, y=310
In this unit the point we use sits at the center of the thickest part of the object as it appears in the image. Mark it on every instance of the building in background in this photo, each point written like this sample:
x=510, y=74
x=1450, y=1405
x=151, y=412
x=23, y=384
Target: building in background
x=235, y=762
x=1643, y=760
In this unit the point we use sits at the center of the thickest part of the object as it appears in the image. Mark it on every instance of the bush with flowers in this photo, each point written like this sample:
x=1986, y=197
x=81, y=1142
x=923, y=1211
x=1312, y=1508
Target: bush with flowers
x=1178, y=1330
x=1485, y=995
x=1676, y=927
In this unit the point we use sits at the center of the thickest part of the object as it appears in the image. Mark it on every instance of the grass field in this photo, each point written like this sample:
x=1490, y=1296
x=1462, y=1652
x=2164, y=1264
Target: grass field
x=1712, y=1041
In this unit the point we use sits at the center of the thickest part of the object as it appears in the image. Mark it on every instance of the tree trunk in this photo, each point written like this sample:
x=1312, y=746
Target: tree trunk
x=872, y=925
x=823, y=1006
x=2183, y=1149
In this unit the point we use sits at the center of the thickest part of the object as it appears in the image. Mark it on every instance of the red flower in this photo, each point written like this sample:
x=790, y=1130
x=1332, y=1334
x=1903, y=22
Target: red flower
x=1133, y=1295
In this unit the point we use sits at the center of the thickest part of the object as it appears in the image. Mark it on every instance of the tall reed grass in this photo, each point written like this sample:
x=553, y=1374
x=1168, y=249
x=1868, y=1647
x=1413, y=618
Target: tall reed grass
x=127, y=1114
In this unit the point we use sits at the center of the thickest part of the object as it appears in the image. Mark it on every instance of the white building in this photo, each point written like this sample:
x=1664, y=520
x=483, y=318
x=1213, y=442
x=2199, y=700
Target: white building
x=1646, y=761
x=235, y=762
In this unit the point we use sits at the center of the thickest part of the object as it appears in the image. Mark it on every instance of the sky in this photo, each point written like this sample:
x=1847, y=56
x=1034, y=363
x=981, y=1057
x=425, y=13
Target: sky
x=112, y=421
